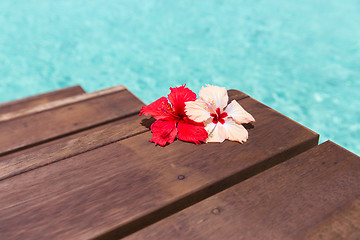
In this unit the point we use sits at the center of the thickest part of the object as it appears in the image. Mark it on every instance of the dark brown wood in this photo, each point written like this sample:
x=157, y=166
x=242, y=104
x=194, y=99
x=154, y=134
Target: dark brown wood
x=315, y=195
x=117, y=189
x=236, y=95
x=59, y=120
x=59, y=149
x=37, y=156
x=33, y=101
x=59, y=103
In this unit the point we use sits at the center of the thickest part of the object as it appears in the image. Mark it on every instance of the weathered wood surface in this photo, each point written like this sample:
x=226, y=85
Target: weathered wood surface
x=117, y=189
x=31, y=158
x=68, y=146
x=315, y=195
x=236, y=95
x=60, y=103
x=62, y=119
x=16, y=107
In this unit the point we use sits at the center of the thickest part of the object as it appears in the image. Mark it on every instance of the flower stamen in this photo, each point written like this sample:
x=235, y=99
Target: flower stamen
x=218, y=116
x=165, y=110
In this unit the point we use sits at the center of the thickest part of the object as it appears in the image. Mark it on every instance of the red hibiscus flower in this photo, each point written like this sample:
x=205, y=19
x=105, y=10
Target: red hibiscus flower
x=171, y=119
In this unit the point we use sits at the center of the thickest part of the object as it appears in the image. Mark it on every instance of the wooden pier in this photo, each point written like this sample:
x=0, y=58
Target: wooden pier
x=77, y=165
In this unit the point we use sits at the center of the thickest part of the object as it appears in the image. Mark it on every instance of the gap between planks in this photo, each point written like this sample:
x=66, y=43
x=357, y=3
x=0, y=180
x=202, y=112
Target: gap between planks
x=205, y=177
x=66, y=120
x=27, y=158
x=38, y=156
x=311, y=196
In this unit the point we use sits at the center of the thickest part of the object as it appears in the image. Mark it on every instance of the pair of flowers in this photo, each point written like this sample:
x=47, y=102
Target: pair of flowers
x=206, y=119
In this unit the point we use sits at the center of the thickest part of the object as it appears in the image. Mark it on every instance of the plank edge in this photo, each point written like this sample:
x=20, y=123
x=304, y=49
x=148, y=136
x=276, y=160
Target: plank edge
x=62, y=103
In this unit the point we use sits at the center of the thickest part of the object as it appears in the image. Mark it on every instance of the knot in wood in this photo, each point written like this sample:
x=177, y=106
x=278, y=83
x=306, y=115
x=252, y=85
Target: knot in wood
x=181, y=177
x=216, y=211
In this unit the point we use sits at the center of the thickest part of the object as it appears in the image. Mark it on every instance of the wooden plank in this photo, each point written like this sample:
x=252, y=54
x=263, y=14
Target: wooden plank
x=315, y=195
x=56, y=121
x=236, y=95
x=119, y=188
x=18, y=106
x=61, y=103
x=31, y=158
x=68, y=146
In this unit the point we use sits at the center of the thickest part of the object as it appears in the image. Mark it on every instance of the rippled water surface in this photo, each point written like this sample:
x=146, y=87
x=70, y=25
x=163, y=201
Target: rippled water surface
x=302, y=58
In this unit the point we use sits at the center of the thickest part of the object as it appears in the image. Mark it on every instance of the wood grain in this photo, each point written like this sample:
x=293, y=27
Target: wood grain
x=65, y=119
x=37, y=156
x=315, y=195
x=59, y=149
x=18, y=106
x=117, y=189
x=60, y=103
x=236, y=95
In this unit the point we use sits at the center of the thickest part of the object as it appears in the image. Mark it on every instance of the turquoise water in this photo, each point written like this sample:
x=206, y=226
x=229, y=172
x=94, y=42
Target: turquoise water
x=302, y=58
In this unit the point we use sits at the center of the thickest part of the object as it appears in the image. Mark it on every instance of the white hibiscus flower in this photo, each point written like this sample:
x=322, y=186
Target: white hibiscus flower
x=221, y=121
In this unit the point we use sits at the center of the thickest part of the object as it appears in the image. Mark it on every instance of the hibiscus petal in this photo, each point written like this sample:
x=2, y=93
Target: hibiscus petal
x=235, y=111
x=163, y=132
x=197, y=110
x=214, y=95
x=160, y=109
x=234, y=131
x=178, y=96
x=216, y=132
x=191, y=132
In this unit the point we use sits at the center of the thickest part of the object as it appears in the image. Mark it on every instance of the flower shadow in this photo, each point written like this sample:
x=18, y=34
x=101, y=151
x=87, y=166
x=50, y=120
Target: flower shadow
x=248, y=126
x=147, y=122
